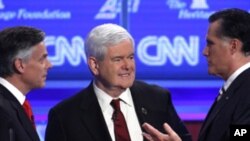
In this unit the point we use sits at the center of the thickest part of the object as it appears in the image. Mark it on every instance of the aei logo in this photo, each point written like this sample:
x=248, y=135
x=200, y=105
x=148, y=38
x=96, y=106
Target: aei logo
x=111, y=8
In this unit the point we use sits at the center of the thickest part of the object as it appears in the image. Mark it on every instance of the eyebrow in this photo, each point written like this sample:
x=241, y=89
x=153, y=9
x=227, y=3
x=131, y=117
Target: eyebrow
x=120, y=57
x=209, y=41
x=44, y=56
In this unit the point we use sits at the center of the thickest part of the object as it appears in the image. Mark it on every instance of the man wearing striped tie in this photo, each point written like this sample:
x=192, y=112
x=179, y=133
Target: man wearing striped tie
x=228, y=56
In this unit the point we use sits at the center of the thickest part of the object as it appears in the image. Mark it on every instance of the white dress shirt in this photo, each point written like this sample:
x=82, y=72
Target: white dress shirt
x=127, y=108
x=232, y=77
x=235, y=75
x=16, y=93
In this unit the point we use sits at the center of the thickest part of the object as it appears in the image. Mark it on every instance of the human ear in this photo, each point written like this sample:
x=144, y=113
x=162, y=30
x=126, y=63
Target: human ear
x=93, y=65
x=19, y=65
x=236, y=46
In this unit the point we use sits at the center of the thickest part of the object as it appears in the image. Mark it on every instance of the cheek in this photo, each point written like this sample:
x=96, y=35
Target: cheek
x=107, y=72
x=133, y=67
x=38, y=69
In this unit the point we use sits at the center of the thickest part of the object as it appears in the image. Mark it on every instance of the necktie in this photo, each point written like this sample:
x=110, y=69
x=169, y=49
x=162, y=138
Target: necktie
x=120, y=126
x=28, y=111
x=221, y=92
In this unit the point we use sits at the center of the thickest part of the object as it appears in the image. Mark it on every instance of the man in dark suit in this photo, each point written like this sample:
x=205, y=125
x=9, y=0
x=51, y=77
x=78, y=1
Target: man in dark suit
x=23, y=67
x=90, y=114
x=228, y=56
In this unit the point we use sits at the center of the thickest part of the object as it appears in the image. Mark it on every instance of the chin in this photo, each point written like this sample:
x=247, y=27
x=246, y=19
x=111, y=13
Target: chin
x=126, y=85
x=42, y=85
x=211, y=72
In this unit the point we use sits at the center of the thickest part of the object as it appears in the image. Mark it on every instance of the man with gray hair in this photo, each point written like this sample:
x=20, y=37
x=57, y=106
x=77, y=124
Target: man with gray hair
x=23, y=67
x=114, y=106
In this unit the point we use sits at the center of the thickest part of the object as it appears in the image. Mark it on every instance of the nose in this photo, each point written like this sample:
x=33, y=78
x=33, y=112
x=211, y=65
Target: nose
x=205, y=51
x=49, y=64
x=127, y=63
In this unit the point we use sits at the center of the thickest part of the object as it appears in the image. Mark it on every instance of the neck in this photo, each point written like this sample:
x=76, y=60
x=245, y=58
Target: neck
x=235, y=66
x=18, y=84
x=112, y=91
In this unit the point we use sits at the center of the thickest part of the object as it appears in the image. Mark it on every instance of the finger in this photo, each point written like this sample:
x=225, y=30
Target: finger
x=147, y=136
x=171, y=132
x=154, y=133
x=150, y=129
x=168, y=129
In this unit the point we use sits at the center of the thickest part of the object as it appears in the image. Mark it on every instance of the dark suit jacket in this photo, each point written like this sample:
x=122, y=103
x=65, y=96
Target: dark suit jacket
x=232, y=108
x=14, y=123
x=80, y=118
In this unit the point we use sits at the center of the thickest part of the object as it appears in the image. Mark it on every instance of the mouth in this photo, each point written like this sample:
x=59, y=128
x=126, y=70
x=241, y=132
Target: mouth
x=208, y=62
x=45, y=76
x=125, y=75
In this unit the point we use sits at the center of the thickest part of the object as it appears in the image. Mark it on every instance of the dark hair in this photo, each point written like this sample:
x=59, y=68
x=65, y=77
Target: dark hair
x=15, y=41
x=234, y=23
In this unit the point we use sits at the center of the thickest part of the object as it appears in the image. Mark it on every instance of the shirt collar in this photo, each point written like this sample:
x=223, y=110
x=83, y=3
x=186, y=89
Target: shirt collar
x=104, y=99
x=126, y=97
x=15, y=92
x=235, y=75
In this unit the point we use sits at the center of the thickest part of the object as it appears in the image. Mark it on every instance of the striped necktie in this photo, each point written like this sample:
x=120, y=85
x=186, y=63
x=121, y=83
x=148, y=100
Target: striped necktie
x=221, y=92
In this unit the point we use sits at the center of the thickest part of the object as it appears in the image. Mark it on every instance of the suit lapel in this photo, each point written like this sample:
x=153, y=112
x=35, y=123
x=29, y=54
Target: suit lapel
x=140, y=109
x=18, y=113
x=92, y=117
x=218, y=106
x=213, y=112
x=25, y=122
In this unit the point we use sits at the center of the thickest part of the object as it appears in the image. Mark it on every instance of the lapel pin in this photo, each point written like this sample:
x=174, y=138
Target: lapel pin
x=144, y=111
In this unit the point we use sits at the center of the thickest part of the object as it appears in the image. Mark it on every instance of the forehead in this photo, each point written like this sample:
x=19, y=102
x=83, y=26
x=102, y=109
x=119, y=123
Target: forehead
x=213, y=28
x=124, y=46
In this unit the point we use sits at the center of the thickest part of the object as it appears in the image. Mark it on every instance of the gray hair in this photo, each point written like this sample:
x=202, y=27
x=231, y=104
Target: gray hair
x=104, y=36
x=24, y=54
x=17, y=42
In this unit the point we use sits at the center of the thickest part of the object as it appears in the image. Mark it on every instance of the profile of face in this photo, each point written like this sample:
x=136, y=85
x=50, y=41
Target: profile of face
x=217, y=51
x=35, y=69
x=117, y=69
